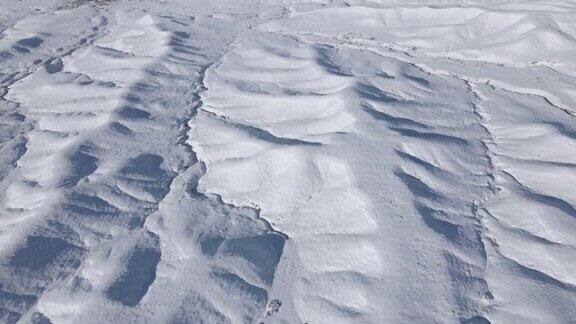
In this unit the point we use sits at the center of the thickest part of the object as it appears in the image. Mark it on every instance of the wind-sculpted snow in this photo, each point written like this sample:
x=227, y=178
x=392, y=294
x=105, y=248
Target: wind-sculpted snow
x=414, y=133
x=82, y=211
x=303, y=190
x=287, y=162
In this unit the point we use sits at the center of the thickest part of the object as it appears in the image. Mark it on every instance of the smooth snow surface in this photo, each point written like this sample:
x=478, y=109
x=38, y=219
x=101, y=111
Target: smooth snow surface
x=288, y=161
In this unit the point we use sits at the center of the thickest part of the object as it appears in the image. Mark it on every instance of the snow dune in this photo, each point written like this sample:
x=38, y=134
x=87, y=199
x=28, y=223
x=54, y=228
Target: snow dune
x=288, y=162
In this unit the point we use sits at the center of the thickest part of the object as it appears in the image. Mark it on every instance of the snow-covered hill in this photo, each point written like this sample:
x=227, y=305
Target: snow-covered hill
x=288, y=161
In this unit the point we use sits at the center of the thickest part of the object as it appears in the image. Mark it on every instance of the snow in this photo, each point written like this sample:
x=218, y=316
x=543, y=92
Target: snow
x=287, y=161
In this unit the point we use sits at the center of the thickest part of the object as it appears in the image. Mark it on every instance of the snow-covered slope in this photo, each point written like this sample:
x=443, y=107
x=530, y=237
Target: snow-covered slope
x=288, y=161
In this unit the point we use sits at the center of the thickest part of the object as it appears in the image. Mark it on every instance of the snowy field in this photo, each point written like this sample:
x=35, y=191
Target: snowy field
x=288, y=161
